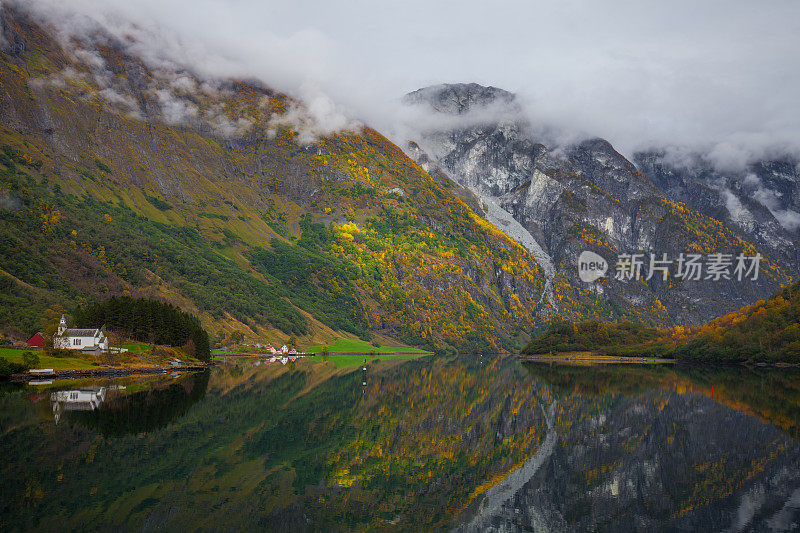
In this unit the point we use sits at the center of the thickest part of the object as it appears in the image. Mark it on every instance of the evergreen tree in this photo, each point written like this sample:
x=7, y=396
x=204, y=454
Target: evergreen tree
x=147, y=320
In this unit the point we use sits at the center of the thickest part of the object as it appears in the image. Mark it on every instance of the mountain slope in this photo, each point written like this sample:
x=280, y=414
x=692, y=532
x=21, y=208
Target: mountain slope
x=118, y=176
x=762, y=201
x=239, y=204
x=585, y=197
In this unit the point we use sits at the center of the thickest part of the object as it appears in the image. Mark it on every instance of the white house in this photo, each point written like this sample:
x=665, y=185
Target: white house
x=86, y=340
x=87, y=399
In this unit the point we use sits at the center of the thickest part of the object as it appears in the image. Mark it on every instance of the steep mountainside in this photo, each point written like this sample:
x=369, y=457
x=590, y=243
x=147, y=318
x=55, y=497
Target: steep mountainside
x=587, y=197
x=220, y=196
x=234, y=202
x=762, y=202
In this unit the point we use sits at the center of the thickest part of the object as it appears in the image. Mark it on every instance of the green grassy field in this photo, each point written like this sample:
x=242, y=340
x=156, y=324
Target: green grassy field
x=136, y=347
x=345, y=361
x=359, y=346
x=56, y=363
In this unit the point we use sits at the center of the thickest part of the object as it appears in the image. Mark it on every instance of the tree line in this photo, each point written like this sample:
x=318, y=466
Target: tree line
x=767, y=331
x=147, y=320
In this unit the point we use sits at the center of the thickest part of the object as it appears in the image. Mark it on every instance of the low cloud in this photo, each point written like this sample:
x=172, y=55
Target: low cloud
x=184, y=83
x=89, y=58
x=176, y=110
x=788, y=218
x=319, y=116
x=226, y=127
x=111, y=96
x=715, y=77
x=422, y=118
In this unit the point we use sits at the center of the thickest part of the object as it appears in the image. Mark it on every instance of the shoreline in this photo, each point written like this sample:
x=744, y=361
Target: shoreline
x=312, y=354
x=594, y=358
x=101, y=372
x=589, y=357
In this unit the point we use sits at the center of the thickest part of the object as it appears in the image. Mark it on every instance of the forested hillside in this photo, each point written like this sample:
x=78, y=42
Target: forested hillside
x=230, y=212
x=768, y=331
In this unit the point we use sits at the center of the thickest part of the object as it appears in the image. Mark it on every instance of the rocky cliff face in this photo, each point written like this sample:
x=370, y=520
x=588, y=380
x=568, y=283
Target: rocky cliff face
x=587, y=196
x=492, y=153
x=762, y=201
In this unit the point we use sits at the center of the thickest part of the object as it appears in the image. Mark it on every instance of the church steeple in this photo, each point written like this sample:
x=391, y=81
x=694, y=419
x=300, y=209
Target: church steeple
x=62, y=326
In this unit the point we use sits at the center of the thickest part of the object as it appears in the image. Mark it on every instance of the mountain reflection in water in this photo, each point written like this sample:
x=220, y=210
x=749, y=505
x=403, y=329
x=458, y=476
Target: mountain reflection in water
x=431, y=444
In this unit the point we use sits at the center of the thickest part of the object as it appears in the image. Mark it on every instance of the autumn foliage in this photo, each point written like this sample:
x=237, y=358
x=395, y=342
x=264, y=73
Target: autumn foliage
x=767, y=331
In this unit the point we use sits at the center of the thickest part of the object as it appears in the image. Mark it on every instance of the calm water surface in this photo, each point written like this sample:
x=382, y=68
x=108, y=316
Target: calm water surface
x=464, y=443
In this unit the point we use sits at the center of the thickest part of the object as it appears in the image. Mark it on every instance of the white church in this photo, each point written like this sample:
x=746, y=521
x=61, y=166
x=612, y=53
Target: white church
x=93, y=341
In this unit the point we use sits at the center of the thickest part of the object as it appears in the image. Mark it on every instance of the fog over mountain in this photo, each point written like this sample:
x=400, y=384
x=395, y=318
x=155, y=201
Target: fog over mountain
x=716, y=77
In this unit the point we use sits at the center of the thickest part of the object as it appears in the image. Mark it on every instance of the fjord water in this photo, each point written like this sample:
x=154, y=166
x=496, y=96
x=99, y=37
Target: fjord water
x=469, y=443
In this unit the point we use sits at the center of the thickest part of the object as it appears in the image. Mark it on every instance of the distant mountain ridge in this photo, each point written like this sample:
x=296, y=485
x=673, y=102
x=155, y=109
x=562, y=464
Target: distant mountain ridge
x=587, y=196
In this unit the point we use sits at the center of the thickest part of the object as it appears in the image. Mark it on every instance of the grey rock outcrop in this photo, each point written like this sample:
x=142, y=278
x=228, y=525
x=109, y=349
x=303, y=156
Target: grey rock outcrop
x=587, y=196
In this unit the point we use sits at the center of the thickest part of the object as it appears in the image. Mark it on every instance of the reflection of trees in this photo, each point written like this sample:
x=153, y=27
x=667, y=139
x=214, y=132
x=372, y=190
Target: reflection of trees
x=293, y=447
x=424, y=440
x=143, y=411
x=769, y=393
x=772, y=394
x=599, y=380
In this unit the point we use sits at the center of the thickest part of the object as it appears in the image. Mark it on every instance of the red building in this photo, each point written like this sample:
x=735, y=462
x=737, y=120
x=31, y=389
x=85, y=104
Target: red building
x=36, y=341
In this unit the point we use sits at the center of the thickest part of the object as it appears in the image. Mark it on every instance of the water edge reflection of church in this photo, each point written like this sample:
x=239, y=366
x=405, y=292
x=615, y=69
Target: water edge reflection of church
x=85, y=399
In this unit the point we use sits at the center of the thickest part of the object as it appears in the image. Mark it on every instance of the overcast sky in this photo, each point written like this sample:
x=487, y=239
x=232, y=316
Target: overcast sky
x=718, y=75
